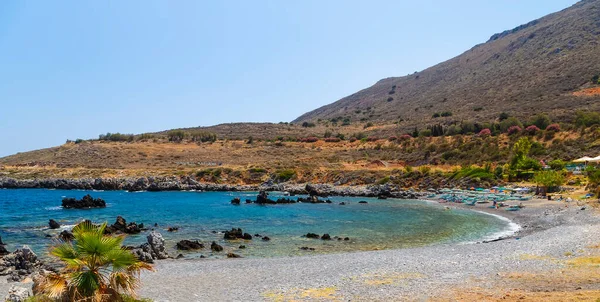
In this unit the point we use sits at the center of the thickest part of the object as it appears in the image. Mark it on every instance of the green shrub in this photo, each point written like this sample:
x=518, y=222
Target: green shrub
x=541, y=120
x=176, y=135
x=510, y=122
x=473, y=172
x=446, y=114
x=285, y=175
x=308, y=125
x=425, y=133
x=202, y=136
x=587, y=119
x=551, y=180
x=383, y=181
x=557, y=165
x=116, y=137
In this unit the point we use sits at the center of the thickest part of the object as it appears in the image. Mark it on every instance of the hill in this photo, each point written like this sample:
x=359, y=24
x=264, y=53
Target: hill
x=537, y=67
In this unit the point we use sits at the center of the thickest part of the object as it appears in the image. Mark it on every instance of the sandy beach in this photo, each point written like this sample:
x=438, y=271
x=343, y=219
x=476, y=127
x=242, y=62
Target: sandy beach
x=551, y=257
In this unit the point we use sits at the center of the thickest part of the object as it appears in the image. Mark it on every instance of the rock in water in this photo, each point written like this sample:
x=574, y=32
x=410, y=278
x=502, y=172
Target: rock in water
x=17, y=294
x=1, y=243
x=232, y=255
x=121, y=226
x=236, y=234
x=215, y=247
x=326, y=237
x=263, y=198
x=66, y=236
x=157, y=245
x=236, y=201
x=189, y=245
x=53, y=224
x=313, y=236
x=3, y=251
x=85, y=203
x=233, y=234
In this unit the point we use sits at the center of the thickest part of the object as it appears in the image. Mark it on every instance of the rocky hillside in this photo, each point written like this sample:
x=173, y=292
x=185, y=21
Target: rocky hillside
x=536, y=67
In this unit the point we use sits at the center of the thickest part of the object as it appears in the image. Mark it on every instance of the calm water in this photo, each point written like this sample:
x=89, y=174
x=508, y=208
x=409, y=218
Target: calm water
x=380, y=224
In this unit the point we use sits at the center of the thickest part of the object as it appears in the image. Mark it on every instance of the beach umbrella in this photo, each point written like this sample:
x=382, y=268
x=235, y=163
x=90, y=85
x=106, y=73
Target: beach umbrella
x=594, y=160
x=583, y=159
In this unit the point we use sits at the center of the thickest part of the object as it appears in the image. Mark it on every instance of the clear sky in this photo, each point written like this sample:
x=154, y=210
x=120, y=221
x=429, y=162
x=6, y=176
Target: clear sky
x=75, y=69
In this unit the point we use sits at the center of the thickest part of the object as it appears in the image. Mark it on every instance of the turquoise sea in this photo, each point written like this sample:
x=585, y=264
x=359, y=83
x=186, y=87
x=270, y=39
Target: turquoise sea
x=380, y=224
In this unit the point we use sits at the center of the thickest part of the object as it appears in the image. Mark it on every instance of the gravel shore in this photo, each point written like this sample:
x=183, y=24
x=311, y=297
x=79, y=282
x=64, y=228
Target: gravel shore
x=548, y=229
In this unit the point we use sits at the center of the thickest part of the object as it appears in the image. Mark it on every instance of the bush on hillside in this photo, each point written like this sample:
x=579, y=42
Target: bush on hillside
x=116, y=137
x=176, y=135
x=532, y=130
x=557, y=165
x=553, y=128
x=587, y=119
x=541, y=120
x=513, y=130
x=485, y=132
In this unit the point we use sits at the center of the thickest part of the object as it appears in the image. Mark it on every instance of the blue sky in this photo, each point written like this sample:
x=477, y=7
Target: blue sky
x=75, y=69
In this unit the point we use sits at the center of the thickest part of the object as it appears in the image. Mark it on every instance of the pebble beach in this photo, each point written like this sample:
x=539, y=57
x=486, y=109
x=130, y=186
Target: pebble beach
x=548, y=230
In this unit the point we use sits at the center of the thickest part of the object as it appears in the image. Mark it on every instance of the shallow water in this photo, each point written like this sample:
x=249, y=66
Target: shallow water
x=380, y=224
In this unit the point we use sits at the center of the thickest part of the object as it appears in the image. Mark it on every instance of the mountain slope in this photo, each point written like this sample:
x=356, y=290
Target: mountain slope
x=533, y=68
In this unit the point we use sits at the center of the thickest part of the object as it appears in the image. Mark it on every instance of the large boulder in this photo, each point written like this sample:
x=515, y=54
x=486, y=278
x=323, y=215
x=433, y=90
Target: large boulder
x=157, y=245
x=3, y=251
x=85, y=203
x=17, y=294
x=53, y=224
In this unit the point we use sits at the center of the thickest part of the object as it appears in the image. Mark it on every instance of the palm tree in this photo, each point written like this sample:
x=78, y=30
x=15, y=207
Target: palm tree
x=97, y=267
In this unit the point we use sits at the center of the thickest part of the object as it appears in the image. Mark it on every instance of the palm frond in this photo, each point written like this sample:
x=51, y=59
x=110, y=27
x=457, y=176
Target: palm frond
x=53, y=285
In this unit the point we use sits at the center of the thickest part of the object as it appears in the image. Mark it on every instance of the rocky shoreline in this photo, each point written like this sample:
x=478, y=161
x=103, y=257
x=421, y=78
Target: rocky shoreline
x=156, y=184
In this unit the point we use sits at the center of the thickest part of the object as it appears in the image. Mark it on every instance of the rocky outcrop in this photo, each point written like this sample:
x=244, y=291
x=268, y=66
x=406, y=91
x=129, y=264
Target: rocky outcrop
x=187, y=245
x=86, y=202
x=17, y=294
x=154, y=249
x=263, y=198
x=52, y=224
x=121, y=227
x=186, y=183
x=19, y=264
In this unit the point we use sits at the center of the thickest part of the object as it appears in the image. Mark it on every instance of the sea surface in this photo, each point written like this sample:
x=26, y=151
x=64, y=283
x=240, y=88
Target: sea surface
x=379, y=224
